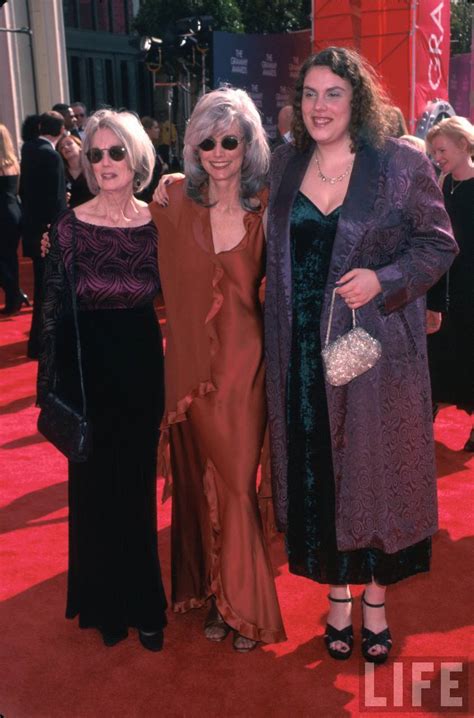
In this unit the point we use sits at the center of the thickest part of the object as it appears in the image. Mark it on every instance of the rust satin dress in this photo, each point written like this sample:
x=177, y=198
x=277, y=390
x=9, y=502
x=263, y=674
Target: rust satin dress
x=215, y=417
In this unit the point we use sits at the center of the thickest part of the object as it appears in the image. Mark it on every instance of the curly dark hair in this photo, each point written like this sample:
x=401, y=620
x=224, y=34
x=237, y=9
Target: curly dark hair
x=370, y=116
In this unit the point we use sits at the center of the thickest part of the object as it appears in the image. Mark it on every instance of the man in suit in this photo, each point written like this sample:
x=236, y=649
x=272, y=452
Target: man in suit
x=43, y=197
x=70, y=119
x=285, y=118
x=80, y=113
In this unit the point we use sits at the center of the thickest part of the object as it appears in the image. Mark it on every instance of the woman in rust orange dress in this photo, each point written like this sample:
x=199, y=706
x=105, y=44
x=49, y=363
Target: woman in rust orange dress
x=211, y=259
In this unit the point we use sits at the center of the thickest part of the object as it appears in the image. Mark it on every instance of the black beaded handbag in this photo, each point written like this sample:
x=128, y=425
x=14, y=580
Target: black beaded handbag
x=65, y=427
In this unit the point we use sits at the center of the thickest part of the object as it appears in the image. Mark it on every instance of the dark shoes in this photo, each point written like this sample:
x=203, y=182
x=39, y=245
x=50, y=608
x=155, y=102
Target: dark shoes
x=345, y=635
x=371, y=639
x=152, y=641
x=13, y=306
x=111, y=638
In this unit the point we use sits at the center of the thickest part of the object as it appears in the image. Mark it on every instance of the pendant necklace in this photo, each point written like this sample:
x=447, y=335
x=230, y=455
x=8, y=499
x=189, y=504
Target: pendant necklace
x=332, y=180
x=454, y=186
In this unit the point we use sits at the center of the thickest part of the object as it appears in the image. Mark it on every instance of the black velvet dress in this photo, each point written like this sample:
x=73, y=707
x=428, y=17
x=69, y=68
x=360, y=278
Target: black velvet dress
x=10, y=230
x=451, y=350
x=311, y=535
x=114, y=577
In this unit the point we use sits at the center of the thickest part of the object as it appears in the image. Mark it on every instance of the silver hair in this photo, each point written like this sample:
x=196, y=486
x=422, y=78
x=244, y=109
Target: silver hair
x=213, y=115
x=140, y=155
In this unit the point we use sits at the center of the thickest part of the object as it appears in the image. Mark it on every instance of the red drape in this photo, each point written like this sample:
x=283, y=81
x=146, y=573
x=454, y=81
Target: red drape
x=407, y=42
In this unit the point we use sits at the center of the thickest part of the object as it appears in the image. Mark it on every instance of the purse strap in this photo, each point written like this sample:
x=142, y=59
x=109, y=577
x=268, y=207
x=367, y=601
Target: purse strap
x=331, y=310
x=74, y=312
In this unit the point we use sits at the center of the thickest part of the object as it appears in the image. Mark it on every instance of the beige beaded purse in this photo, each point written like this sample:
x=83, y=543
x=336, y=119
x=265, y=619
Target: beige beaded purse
x=351, y=355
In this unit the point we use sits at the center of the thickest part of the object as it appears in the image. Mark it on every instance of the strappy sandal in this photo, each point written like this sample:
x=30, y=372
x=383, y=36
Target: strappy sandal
x=346, y=635
x=242, y=644
x=215, y=628
x=371, y=639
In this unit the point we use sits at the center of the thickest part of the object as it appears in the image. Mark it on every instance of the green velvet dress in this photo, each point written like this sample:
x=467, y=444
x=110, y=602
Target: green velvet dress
x=311, y=534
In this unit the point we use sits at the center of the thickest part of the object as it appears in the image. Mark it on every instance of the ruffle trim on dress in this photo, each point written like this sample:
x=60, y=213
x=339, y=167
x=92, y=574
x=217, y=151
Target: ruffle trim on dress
x=188, y=605
x=174, y=417
x=241, y=625
x=179, y=414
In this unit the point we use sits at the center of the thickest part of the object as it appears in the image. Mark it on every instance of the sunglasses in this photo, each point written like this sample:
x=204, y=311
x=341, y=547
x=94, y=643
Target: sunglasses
x=229, y=142
x=116, y=153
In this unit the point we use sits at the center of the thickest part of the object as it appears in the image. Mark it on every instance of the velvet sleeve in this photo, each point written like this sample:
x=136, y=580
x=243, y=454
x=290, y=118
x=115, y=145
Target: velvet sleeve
x=55, y=302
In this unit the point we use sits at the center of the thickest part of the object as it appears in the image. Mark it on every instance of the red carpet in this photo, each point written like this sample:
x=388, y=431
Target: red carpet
x=51, y=669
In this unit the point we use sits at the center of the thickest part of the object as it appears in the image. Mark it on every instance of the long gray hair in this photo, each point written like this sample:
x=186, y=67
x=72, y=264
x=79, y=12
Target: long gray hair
x=213, y=115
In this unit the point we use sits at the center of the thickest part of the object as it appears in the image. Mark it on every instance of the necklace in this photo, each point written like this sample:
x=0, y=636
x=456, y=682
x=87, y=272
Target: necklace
x=332, y=180
x=454, y=186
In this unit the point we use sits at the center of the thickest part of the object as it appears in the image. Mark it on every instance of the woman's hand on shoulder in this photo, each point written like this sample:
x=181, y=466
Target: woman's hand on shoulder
x=160, y=195
x=358, y=287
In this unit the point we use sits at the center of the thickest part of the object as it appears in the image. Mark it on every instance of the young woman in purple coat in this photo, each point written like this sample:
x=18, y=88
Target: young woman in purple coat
x=353, y=467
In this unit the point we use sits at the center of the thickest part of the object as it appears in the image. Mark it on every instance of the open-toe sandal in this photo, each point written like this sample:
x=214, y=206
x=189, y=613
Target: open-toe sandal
x=345, y=635
x=371, y=639
x=215, y=628
x=242, y=644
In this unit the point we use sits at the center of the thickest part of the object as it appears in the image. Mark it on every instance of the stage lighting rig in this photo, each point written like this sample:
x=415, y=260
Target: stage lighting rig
x=151, y=46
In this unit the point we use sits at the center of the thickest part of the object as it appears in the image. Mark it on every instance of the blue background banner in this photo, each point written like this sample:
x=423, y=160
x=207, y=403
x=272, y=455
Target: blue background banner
x=266, y=66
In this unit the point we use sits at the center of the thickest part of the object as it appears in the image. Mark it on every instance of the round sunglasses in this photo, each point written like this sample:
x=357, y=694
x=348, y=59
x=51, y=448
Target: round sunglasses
x=229, y=142
x=116, y=153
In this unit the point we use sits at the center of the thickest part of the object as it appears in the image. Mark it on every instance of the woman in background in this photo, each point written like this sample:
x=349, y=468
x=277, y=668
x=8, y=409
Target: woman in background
x=69, y=147
x=152, y=128
x=10, y=223
x=451, y=351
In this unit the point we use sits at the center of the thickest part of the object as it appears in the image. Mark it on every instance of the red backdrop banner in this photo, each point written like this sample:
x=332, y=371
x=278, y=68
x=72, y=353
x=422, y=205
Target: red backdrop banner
x=406, y=40
x=432, y=52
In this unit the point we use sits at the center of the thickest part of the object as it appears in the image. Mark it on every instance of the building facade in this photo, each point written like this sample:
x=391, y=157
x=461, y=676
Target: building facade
x=103, y=61
x=69, y=50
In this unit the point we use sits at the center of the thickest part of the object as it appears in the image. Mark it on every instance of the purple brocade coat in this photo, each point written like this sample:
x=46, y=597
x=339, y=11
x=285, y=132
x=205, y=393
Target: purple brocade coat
x=394, y=222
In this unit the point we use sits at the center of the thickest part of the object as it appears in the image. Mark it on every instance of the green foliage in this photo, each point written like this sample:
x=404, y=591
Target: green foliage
x=275, y=15
x=155, y=15
x=258, y=16
x=461, y=26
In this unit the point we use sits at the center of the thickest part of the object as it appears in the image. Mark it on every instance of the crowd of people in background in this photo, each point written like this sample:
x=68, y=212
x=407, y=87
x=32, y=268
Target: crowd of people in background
x=344, y=207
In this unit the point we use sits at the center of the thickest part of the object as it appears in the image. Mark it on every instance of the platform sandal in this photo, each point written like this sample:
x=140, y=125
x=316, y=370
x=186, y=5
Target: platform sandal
x=371, y=639
x=345, y=635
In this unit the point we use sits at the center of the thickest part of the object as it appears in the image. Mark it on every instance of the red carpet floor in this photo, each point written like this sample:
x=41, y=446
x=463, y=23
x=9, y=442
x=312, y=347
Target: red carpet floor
x=51, y=669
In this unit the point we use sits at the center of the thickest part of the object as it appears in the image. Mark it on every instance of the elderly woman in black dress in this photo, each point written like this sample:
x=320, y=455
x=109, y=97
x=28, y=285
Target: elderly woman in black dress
x=114, y=578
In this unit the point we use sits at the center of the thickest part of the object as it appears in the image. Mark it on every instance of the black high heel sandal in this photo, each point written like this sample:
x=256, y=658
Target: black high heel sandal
x=345, y=635
x=371, y=639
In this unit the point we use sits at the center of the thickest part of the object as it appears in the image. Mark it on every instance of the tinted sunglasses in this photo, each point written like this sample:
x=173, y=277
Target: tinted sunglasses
x=229, y=142
x=116, y=153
